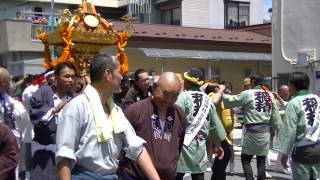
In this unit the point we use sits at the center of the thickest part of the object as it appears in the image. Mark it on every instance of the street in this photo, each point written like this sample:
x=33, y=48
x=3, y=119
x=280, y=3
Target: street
x=238, y=174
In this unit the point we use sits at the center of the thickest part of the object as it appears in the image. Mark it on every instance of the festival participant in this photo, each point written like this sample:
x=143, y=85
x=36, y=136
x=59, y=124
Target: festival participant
x=50, y=77
x=31, y=89
x=300, y=132
x=46, y=108
x=260, y=117
x=282, y=98
x=93, y=130
x=9, y=153
x=203, y=123
x=162, y=124
x=118, y=98
x=228, y=119
x=14, y=114
x=140, y=89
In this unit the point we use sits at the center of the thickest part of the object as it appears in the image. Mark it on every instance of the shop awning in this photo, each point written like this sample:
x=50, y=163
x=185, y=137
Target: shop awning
x=206, y=55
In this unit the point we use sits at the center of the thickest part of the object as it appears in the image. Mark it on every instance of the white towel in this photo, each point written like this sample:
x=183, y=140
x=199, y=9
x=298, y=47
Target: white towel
x=105, y=124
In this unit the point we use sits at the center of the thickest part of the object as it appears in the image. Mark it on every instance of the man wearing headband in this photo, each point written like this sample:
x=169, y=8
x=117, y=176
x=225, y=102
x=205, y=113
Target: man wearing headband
x=203, y=123
x=50, y=77
x=261, y=116
x=31, y=89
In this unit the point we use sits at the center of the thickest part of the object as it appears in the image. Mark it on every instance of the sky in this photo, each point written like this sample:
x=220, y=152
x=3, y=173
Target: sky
x=266, y=5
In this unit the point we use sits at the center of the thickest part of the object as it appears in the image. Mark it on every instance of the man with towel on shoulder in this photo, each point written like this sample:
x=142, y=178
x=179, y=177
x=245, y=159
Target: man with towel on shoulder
x=93, y=130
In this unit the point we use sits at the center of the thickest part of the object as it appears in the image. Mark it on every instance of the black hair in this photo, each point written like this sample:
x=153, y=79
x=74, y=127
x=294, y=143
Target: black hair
x=210, y=88
x=299, y=80
x=124, y=78
x=61, y=66
x=196, y=73
x=137, y=72
x=227, y=84
x=99, y=64
x=257, y=78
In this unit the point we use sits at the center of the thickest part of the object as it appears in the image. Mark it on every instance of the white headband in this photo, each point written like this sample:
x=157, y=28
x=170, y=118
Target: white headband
x=48, y=73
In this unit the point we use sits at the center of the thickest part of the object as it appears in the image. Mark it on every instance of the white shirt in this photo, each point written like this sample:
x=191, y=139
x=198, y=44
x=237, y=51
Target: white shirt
x=23, y=126
x=47, y=117
x=56, y=101
x=77, y=140
x=27, y=94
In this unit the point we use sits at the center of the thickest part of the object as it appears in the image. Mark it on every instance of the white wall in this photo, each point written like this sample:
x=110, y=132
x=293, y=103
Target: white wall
x=300, y=30
x=256, y=12
x=210, y=13
x=216, y=14
x=195, y=13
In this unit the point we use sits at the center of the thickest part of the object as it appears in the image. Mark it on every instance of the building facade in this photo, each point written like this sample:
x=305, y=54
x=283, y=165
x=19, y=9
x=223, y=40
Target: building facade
x=295, y=42
x=159, y=43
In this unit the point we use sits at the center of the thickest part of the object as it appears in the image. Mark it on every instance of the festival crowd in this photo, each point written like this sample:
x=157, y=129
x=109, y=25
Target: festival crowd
x=56, y=126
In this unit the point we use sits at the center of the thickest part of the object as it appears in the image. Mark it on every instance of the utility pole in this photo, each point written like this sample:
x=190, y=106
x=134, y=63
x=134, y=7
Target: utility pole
x=52, y=26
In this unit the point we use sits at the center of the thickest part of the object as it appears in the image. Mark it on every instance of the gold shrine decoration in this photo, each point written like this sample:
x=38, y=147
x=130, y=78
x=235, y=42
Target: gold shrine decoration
x=65, y=56
x=82, y=35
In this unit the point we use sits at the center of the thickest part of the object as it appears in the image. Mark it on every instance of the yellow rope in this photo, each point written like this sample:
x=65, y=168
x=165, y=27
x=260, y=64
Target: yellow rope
x=192, y=79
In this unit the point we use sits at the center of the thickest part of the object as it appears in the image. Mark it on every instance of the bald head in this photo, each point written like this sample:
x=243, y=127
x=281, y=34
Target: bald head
x=166, y=90
x=4, y=80
x=169, y=80
x=284, y=92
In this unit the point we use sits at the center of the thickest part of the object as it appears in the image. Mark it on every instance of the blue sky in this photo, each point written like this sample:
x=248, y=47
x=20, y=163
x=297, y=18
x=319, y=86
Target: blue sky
x=266, y=5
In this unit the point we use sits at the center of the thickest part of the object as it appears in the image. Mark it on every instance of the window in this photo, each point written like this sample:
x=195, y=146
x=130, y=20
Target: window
x=171, y=16
x=236, y=14
x=215, y=74
x=37, y=9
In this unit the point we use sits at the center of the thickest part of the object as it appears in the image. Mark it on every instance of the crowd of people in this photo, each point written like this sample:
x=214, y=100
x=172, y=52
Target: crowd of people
x=55, y=126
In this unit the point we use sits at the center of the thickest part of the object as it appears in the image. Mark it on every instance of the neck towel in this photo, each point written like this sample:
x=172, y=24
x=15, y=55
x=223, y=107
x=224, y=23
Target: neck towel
x=105, y=124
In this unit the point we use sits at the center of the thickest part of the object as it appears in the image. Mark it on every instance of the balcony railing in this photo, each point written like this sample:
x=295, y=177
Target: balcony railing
x=40, y=22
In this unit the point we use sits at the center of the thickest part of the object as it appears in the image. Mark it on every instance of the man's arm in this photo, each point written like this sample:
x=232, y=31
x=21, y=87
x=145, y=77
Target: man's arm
x=146, y=165
x=288, y=131
x=287, y=134
x=9, y=152
x=67, y=139
x=275, y=121
x=231, y=101
x=64, y=169
x=217, y=97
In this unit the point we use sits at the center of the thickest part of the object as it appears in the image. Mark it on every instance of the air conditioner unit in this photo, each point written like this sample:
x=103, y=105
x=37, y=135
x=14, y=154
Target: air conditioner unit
x=305, y=57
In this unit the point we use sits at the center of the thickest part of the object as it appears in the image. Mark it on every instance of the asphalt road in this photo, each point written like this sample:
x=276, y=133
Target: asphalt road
x=238, y=174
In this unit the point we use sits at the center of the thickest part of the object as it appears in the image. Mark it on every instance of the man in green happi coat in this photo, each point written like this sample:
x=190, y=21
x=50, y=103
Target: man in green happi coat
x=300, y=133
x=261, y=116
x=203, y=124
